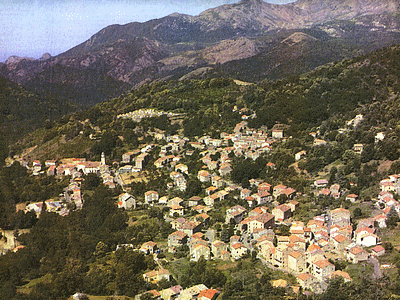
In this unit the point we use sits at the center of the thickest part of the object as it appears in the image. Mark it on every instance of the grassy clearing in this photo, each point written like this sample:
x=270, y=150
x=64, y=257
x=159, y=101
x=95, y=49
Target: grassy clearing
x=26, y=289
x=359, y=271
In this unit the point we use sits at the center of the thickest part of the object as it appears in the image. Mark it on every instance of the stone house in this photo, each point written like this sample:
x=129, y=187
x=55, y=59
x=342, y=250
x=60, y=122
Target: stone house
x=357, y=254
x=296, y=261
x=321, y=269
x=199, y=251
x=282, y=212
x=157, y=275
x=218, y=248
x=126, y=201
x=340, y=216
x=238, y=250
x=177, y=239
x=236, y=213
x=148, y=247
x=151, y=197
x=307, y=281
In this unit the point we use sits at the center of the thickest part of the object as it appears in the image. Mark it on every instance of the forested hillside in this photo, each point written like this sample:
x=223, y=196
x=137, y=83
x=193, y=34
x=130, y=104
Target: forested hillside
x=77, y=252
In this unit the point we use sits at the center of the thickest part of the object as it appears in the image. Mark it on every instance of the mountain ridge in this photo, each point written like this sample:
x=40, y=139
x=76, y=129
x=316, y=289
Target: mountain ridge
x=135, y=53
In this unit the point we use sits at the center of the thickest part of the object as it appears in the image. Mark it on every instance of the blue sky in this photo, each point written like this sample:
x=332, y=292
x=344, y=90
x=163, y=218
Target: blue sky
x=33, y=27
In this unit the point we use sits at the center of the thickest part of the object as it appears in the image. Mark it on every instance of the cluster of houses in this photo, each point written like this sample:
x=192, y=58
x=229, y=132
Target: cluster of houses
x=199, y=292
x=140, y=114
x=305, y=252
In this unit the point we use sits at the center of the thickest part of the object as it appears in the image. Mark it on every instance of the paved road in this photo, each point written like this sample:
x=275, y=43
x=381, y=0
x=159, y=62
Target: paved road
x=377, y=267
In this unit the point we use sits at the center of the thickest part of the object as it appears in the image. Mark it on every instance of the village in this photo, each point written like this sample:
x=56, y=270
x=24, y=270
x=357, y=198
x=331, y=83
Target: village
x=306, y=251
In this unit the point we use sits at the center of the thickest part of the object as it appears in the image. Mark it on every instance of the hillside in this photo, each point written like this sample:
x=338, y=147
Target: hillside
x=208, y=104
x=22, y=111
x=200, y=145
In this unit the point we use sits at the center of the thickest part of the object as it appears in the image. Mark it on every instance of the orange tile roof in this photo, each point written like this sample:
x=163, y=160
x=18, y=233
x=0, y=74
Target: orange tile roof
x=323, y=263
x=209, y=293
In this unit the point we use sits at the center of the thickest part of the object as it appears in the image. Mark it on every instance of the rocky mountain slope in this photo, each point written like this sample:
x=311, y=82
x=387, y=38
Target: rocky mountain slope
x=298, y=36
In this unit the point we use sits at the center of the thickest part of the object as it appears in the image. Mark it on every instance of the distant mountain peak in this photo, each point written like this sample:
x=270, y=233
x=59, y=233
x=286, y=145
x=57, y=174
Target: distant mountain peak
x=16, y=59
x=45, y=56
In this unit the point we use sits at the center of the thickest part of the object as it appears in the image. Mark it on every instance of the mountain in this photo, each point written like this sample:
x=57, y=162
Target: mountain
x=235, y=39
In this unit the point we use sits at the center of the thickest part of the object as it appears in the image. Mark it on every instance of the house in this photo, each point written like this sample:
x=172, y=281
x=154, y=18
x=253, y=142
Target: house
x=203, y=218
x=199, y=251
x=163, y=200
x=358, y=148
x=380, y=136
x=324, y=192
x=378, y=251
x=177, y=239
x=193, y=201
x=203, y=176
x=340, y=242
x=225, y=169
x=51, y=171
x=210, y=190
x=236, y=213
x=280, y=283
x=151, y=197
x=217, y=181
x=262, y=221
x=307, y=281
x=192, y=292
x=352, y=198
x=264, y=187
x=262, y=197
x=357, y=254
x=293, y=205
x=338, y=273
x=296, y=261
x=314, y=253
x=277, y=133
x=282, y=212
x=340, y=216
x=171, y=293
x=319, y=142
x=238, y=250
x=322, y=269
x=148, y=247
x=321, y=183
x=126, y=201
x=278, y=190
x=210, y=200
x=298, y=155
x=244, y=193
x=366, y=239
x=126, y=157
x=177, y=223
x=176, y=210
x=36, y=166
x=258, y=211
x=381, y=220
x=267, y=250
x=209, y=294
x=218, y=248
x=280, y=257
x=182, y=168
x=157, y=275
x=191, y=227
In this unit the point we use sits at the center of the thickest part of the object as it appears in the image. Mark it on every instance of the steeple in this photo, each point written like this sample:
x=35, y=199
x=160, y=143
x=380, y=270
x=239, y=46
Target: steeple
x=103, y=159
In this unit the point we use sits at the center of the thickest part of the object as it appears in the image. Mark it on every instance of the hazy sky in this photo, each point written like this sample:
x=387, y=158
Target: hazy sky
x=33, y=27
